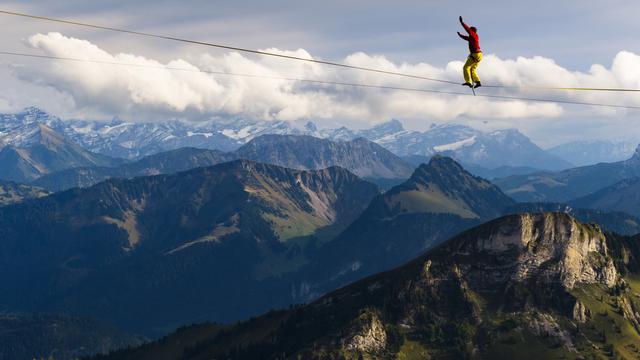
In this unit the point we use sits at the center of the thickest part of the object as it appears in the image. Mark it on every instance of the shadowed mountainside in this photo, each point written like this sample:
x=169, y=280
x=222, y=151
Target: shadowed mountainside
x=105, y=251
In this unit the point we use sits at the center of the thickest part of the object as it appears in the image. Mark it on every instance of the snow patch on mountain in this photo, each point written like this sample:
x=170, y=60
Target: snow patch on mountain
x=456, y=145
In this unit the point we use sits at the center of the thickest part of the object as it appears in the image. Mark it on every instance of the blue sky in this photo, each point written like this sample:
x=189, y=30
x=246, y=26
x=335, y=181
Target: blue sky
x=574, y=35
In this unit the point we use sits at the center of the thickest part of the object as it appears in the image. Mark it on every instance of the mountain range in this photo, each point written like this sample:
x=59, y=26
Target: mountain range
x=133, y=140
x=466, y=145
x=362, y=157
x=106, y=250
x=151, y=226
x=530, y=286
x=36, y=150
x=570, y=184
x=167, y=162
x=263, y=235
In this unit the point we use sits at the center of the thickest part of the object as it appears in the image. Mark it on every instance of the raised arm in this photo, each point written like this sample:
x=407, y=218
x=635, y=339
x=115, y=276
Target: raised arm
x=465, y=26
x=463, y=36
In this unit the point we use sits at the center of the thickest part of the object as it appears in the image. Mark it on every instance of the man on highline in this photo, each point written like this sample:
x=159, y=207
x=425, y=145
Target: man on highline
x=471, y=78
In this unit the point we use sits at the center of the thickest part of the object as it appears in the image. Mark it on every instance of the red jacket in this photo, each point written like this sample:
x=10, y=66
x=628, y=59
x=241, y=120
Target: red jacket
x=473, y=39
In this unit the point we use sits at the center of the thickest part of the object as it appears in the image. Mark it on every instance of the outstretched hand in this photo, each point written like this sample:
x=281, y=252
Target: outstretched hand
x=460, y=18
x=459, y=33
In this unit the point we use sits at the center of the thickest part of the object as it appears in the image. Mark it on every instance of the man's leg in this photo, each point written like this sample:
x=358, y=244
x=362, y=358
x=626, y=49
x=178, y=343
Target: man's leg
x=474, y=73
x=466, y=71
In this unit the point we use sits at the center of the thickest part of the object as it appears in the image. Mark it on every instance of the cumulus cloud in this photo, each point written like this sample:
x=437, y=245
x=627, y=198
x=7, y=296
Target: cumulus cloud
x=148, y=89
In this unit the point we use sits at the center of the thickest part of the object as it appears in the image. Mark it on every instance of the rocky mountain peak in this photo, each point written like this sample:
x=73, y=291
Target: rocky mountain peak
x=35, y=133
x=550, y=247
x=439, y=168
x=360, y=156
x=34, y=112
x=382, y=131
x=391, y=126
x=442, y=181
x=311, y=127
x=445, y=163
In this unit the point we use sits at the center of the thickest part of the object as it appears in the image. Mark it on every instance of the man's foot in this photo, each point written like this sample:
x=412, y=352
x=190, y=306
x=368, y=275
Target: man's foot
x=477, y=85
x=468, y=84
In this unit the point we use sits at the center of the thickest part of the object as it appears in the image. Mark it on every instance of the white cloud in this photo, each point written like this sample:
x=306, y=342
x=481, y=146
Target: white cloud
x=126, y=89
x=148, y=93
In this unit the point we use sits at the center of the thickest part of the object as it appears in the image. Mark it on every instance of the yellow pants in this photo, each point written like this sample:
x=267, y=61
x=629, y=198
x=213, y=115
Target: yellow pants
x=471, y=66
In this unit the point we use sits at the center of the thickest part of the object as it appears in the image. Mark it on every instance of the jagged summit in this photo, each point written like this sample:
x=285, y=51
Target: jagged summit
x=362, y=157
x=466, y=193
x=391, y=126
x=440, y=163
x=34, y=112
x=441, y=170
x=311, y=127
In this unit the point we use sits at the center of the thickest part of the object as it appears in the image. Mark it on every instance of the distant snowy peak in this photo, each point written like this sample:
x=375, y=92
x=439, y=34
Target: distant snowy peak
x=31, y=134
x=311, y=127
x=339, y=134
x=384, y=132
x=389, y=127
x=492, y=150
x=248, y=132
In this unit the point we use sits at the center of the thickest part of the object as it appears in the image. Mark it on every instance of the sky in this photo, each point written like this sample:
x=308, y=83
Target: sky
x=562, y=43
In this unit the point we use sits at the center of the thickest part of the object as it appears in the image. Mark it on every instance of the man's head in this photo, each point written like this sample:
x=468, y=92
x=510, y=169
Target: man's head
x=474, y=29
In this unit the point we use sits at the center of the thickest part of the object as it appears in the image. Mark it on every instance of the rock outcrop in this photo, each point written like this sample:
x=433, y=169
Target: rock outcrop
x=580, y=313
x=551, y=247
x=368, y=334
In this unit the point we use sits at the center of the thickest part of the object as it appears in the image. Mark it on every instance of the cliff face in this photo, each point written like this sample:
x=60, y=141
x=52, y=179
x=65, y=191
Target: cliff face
x=551, y=247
